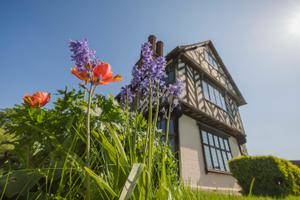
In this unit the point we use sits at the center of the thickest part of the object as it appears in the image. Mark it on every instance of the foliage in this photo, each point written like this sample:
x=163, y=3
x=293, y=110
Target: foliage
x=273, y=176
x=48, y=159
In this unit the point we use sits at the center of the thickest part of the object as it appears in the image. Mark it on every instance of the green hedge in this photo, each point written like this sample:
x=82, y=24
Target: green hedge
x=273, y=176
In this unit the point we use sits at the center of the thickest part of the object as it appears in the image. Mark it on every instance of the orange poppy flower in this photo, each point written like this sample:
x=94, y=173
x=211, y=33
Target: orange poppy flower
x=37, y=99
x=102, y=74
x=81, y=75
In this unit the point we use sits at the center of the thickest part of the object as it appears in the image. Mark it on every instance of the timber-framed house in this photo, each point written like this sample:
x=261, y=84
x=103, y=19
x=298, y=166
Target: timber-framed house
x=209, y=131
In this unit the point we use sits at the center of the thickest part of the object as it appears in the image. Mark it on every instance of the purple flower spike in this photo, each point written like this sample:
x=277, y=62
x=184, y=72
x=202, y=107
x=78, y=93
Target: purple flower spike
x=81, y=53
x=176, y=88
x=152, y=69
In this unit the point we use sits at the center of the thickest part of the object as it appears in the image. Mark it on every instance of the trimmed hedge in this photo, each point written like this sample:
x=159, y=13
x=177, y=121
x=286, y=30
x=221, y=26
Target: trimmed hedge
x=273, y=176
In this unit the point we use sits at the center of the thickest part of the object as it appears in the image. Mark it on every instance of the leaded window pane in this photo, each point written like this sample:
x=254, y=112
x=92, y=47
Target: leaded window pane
x=204, y=137
x=211, y=94
x=223, y=102
x=222, y=167
x=226, y=144
x=225, y=160
x=217, y=94
x=205, y=89
x=216, y=141
x=214, y=158
x=210, y=138
x=206, y=55
x=221, y=143
x=207, y=157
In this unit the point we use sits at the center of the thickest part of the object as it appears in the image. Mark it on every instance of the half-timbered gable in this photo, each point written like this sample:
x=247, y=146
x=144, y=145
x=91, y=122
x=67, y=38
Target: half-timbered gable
x=210, y=94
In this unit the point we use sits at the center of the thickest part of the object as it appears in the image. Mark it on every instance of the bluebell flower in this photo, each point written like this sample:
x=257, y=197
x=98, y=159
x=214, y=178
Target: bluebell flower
x=82, y=55
x=152, y=69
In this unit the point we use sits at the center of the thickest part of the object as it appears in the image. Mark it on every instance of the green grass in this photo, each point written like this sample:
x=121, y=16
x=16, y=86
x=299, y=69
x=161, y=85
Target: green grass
x=189, y=194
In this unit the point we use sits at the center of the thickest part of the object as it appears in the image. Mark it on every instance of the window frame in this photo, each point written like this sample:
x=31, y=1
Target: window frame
x=171, y=74
x=219, y=136
x=212, y=97
x=208, y=57
x=161, y=124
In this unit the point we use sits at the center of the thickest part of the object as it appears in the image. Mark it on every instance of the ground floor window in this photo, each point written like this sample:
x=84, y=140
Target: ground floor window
x=216, y=150
x=161, y=124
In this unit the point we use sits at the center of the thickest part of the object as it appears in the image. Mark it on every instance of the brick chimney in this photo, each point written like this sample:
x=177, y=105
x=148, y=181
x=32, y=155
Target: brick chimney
x=152, y=41
x=157, y=47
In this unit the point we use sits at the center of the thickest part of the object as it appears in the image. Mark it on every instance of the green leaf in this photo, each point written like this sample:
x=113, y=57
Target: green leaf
x=100, y=182
x=19, y=182
x=132, y=180
x=118, y=143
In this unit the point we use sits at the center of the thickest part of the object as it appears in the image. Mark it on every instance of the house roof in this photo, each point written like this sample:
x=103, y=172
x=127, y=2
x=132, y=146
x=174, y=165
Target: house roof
x=184, y=48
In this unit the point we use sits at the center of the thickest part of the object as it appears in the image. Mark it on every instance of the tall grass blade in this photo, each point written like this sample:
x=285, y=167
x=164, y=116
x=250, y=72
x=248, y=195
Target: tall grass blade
x=5, y=185
x=251, y=186
x=102, y=184
x=132, y=180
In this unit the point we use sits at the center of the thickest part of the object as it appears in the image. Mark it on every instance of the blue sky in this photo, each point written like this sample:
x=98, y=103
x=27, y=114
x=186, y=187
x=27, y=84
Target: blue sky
x=259, y=42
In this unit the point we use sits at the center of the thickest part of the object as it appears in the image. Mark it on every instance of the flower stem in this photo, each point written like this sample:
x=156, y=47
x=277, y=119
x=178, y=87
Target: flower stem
x=88, y=142
x=165, y=148
x=150, y=145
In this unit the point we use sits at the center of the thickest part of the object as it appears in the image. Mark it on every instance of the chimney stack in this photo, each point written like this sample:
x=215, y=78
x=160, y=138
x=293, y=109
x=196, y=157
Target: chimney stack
x=160, y=48
x=152, y=41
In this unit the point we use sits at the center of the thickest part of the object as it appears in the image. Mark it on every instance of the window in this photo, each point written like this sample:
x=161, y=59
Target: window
x=171, y=75
x=161, y=124
x=217, y=151
x=209, y=58
x=213, y=95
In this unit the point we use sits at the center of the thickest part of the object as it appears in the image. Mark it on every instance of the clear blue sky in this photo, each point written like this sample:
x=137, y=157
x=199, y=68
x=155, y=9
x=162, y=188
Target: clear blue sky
x=259, y=42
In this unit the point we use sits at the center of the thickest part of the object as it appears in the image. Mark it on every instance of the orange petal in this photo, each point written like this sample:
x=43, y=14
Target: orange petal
x=81, y=75
x=41, y=98
x=117, y=78
x=103, y=82
x=37, y=99
x=107, y=77
x=103, y=69
x=28, y=99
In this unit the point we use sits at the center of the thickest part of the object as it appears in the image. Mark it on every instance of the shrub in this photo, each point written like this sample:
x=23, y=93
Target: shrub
x=272, y=176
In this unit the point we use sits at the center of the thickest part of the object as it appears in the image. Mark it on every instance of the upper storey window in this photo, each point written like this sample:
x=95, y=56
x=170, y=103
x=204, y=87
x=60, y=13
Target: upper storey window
x=209, y=58
x=214, y=95
x=171, y=74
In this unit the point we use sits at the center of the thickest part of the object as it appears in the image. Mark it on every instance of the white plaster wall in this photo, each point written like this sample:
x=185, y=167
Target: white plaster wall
x=192, y=168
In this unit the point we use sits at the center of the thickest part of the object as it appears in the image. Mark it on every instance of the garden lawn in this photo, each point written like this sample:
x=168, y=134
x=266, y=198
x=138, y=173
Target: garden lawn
x=188, y=194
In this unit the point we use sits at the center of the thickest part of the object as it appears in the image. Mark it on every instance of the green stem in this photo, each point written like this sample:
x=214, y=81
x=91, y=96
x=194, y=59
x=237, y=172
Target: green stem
x=156, y=110
x=88, y=143
x=168, y=127
x=149, y=142
x=163, y=176
x=28, y=157
x=132, y=134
